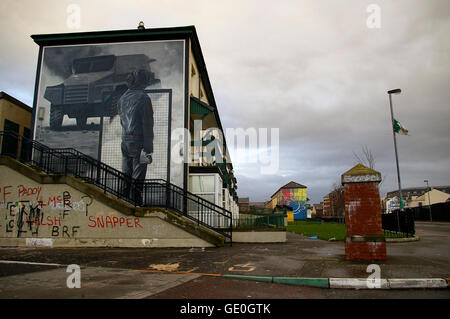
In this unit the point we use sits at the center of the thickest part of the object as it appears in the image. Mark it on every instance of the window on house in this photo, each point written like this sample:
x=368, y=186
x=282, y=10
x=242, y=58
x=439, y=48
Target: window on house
x=203, y=186
x=224, y=198
x=10, y=142
x=26, y=132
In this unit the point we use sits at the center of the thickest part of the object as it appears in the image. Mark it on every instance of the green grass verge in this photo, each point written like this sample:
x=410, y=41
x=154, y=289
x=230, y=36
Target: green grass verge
x=389, y=234
x=325, y=231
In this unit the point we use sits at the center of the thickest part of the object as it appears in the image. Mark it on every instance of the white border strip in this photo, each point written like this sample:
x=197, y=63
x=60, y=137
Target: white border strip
x=417, y=283
x=362, y=283
x=28, y=263
x=356, y=283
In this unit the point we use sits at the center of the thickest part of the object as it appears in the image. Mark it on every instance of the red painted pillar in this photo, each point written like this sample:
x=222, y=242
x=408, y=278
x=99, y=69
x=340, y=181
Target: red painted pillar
x=364, y=240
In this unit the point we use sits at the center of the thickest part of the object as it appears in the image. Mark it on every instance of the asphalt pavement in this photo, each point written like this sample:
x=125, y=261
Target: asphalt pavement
x=186, y=273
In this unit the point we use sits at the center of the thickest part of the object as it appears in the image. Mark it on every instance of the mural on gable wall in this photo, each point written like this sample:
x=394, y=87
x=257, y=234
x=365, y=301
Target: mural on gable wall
x=116, y=102
x=295, y=198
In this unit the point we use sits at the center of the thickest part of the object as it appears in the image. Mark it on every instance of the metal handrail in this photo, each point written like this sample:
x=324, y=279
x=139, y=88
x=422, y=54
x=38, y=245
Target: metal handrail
x=143, y=193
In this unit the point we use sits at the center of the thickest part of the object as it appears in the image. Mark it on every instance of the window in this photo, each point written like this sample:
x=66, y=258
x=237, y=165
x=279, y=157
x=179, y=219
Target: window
x=26, y=132
x=224, y=198
x=203, y=186
x=10, y=142
x=209, y=197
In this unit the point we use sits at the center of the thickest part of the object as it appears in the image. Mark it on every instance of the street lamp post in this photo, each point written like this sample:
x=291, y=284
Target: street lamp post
x=429, y=201
x=396, y=91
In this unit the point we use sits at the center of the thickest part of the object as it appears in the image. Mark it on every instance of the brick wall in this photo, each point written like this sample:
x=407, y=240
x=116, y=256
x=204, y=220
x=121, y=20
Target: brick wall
x=362, y=209
x=326, y=206
x=365, y=240
x=366, y=251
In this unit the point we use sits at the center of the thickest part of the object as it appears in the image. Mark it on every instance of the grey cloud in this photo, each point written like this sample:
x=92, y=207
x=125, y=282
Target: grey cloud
x=311, y=68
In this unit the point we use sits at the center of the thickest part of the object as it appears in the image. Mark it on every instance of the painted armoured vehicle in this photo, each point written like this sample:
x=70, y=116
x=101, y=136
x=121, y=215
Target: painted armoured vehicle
x=94, y=87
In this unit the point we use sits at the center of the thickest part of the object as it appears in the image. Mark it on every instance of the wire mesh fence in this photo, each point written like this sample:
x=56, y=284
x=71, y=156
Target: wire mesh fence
x=259, y=221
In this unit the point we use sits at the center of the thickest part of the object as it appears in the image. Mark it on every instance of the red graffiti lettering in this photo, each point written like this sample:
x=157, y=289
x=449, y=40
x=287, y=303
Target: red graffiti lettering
x=57, y=220
x=53, y=201
x=136, y=223
x=91, y=220
x=29, y=191
x=129, y=224
x=113, y=222
x=100, y=222
x=50, y=221
x=5, y=192
x=109, y=221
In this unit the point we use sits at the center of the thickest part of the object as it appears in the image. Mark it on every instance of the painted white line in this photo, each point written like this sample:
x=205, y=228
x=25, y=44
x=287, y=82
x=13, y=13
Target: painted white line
x=356, y=283
x=28, y=263
x=417, y=283
x=361, y=283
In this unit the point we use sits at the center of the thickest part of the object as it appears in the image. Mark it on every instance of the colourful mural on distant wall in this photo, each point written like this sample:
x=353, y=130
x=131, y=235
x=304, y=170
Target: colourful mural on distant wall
x=295, y=198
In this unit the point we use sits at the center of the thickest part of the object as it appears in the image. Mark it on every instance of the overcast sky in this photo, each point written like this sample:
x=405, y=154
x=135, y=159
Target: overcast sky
x=313, y=69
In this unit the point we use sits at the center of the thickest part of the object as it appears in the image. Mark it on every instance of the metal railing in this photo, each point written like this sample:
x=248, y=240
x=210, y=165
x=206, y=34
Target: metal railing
x=399, y=222
x=143, y=193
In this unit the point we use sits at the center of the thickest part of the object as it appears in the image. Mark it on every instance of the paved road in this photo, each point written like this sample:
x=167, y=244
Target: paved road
x=433, y=229
x=136, y=273
x=225, y=288
x=431, y=252
x=94, y=284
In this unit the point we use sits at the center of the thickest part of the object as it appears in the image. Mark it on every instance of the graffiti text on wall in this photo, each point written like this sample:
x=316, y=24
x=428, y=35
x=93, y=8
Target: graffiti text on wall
x=26, y=211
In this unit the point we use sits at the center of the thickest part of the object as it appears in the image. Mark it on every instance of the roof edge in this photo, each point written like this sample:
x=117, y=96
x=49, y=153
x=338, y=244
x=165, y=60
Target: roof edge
x=284, y=187
x=6, y=96
x=54, y=38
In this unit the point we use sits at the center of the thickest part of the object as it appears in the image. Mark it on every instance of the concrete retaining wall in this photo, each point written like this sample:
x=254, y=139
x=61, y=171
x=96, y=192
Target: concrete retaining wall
x=59, y=215
x=259, y=236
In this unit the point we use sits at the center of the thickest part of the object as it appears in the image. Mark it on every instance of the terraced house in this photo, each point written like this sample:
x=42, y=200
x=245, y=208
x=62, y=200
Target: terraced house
x=15, y=116
x=292, y=195
x=128, y=121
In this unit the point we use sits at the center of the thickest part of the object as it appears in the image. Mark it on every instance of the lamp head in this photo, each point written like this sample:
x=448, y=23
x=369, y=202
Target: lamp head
x=395, y=91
